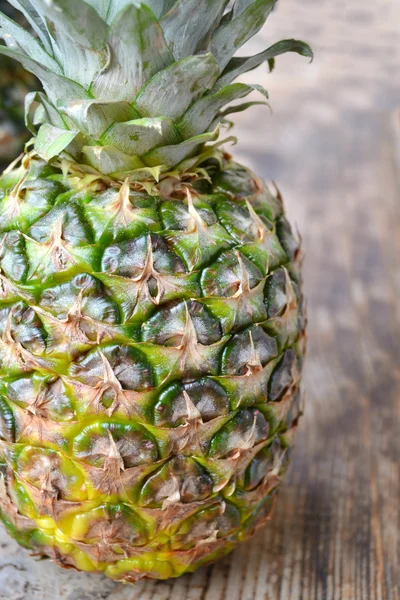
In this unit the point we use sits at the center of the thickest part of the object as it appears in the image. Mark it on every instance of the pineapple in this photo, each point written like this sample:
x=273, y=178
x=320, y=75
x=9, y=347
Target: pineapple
x=15, y=83
x=152, y=328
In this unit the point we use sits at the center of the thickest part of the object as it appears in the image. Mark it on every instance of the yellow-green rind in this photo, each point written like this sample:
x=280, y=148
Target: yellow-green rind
x=150, y=358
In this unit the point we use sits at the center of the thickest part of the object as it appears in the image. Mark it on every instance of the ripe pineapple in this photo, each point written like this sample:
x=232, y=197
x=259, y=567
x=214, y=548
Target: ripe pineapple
x=151, y=317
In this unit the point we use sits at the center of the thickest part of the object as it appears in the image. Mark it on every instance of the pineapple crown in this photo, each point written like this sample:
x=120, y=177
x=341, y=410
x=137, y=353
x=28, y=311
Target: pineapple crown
x=132, y=86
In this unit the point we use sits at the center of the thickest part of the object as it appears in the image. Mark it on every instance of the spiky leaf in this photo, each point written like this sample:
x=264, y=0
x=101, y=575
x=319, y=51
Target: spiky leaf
x=51, y=141
x=186, y=26
x=239, y=65
x=201, y=114
x=230, y=36
x=138, y=51
x=141, y=135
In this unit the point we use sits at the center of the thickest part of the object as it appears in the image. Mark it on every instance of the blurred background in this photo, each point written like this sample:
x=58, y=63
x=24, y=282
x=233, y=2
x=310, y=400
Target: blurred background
x=332, y=145
x=15, y=83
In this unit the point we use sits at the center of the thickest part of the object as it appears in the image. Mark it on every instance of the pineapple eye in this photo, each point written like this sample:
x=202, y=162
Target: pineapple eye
x=228, y=273
x=205, y=396
x=236, y=220
x=275, y=293
x=113, y=524
x=219, y=520
x=130, y=258
x=283, y=377
x=54, y=475
x=35, y=197
x=180, y=480
x=83, y=281
x=65, y=216
x=7, y=421
x=174, y=321
x=114, y=366
x=210, y=399
x=175, y=215
x=49, y=296
x=13, y=259
x=290, y=243
x=269, y=458
x=294, y=412
x=83, y=296
x=127, y=445
x=24, y=327
x=237, y=184
x=245, y=430
x=28, y=316
x=110, y=259
x=251, y=348
x=44, y=398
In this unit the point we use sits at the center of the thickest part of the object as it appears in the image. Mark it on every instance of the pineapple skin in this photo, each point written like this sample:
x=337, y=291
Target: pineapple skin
x=150, y=356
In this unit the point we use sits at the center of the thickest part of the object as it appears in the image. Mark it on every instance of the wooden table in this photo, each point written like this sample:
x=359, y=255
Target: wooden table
x=333, y=146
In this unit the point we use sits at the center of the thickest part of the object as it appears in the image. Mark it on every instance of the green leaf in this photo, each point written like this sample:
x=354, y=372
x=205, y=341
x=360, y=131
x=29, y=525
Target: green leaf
x=53, y=116
x=141, y=135
x=240, y=6
x=56, y=86
x=93, y=118
x=80, y=37
x=23, y=40
x=39, y=116
x=45, y=111
x=201, y=114
x=173, y=90
x=240, y=65
x=138, y=51
x=77, y=19
x=186, y=26
x=102, y=7
x=30, y=99
x=158, y=7
x=173, y=155
x=241, y=107
x=233, y=34
x=108, y=160
x=51, y=141
x=115, y=7
x=35, y=20
x=142, y=174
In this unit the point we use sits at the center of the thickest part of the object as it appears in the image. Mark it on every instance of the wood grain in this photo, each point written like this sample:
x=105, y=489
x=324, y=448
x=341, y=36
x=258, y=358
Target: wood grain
x=333, y=144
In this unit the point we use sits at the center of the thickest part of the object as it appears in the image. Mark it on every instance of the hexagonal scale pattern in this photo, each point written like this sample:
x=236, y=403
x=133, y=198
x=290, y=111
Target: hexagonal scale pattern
x=150, y=355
